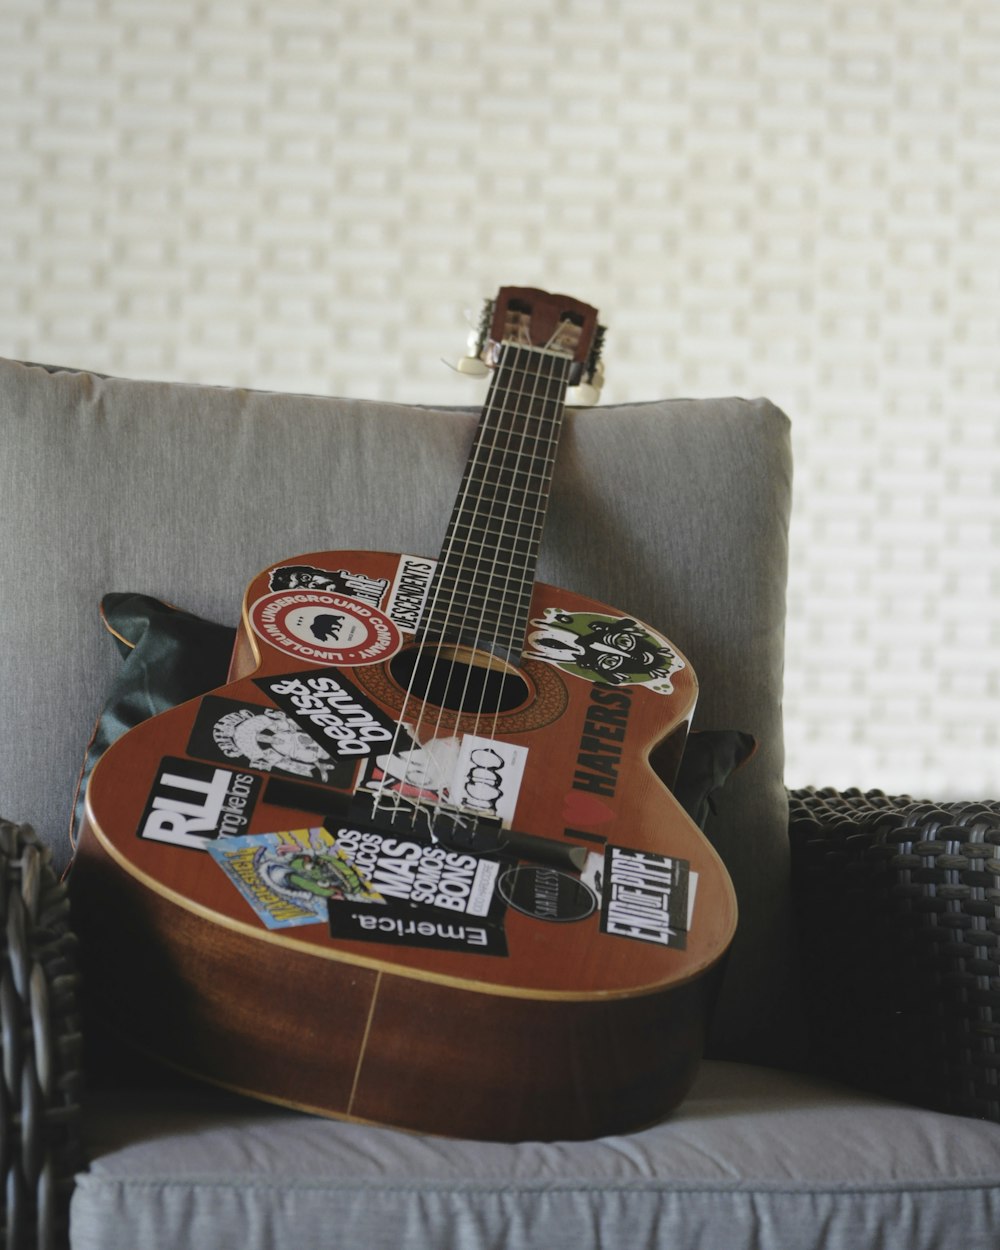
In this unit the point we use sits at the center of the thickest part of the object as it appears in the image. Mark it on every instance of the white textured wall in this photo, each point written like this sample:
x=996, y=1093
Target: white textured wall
x=796, y=198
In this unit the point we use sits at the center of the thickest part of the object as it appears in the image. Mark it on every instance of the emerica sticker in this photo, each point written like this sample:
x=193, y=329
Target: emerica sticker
x=192, y=804
x=323, y=627
x=399, y=925
x=645, y=897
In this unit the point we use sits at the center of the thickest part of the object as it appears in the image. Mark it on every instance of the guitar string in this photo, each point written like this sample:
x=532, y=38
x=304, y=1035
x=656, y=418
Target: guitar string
x=484, y=582
x=477, y=523
x=554, y=409
x=486, y=441
x=430, y=613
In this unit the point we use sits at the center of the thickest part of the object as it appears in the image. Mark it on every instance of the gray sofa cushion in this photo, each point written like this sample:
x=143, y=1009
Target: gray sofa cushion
x=753, y=1158
x=676, y=512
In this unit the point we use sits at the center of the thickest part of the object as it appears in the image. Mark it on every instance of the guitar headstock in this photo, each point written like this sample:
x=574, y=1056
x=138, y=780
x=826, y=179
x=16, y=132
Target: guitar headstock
x=534, y=318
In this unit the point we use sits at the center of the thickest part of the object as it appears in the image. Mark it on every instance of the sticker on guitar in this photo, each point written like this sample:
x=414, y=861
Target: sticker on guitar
x=308, y=577
x=611, y=650
x=323, y=627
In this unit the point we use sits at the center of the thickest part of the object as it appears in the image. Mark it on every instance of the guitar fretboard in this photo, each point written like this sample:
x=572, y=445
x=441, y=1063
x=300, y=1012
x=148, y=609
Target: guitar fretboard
x=481, y=593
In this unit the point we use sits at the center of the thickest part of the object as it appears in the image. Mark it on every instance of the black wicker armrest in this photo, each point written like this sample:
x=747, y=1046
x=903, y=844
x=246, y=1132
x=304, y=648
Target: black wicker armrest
x=897, y=905
x=39, y=1045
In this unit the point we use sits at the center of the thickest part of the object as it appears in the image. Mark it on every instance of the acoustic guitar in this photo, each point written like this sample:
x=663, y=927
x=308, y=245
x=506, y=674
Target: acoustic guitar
x=415, y=864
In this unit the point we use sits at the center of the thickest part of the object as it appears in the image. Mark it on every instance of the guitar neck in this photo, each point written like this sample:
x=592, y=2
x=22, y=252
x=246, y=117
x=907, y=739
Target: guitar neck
x=481, y=593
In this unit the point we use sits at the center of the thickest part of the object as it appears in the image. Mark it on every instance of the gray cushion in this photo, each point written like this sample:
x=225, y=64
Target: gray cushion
x=674, y=511
x=755, y=1158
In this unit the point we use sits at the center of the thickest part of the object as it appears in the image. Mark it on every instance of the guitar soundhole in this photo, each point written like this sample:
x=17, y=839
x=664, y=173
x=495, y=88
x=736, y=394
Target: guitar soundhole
x=438, y=676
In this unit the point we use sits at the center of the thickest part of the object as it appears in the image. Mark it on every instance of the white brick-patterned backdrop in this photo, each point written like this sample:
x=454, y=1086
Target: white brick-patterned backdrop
x=795, y=198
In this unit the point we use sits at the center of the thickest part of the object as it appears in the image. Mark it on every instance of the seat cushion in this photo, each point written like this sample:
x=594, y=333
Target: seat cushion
x=755, y=1158
x=674, y=511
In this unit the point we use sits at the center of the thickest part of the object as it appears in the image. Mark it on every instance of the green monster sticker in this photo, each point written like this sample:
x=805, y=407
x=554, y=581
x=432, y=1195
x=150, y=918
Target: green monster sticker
x=610, y=650
x=289, y=878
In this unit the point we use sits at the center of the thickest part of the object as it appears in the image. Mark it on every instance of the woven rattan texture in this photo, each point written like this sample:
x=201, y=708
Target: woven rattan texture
x=898, y=910
x=40, y=1044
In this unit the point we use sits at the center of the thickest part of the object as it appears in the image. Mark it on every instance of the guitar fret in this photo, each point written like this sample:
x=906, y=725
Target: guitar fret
x=487, y=564
x=495, y=526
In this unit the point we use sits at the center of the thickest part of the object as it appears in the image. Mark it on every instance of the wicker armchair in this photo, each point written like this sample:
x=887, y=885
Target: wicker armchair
x=40, y=1147
x=896, y=908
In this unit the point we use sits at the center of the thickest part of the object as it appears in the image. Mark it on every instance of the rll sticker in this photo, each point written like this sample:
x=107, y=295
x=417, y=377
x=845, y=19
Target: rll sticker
x=192, y=804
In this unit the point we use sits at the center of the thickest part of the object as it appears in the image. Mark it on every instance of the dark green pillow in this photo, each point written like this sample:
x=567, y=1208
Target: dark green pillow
x=171, y=656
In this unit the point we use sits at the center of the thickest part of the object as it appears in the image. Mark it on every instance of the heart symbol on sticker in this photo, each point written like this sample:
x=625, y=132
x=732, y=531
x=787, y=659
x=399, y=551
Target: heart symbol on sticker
x=585, y=809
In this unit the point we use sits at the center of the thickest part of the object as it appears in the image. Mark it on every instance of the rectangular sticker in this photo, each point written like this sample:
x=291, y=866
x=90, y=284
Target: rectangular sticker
x=478, y=775
x=645, y=897
x=409, y=592
x=265, y=739
x=402, y=925
x=425, y=873
x=289, y=878
x=191, y=804
x=487, y=777
x=333, y=711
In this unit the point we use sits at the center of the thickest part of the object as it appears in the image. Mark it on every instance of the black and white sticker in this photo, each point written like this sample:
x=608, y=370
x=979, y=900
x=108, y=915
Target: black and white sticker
x=192, y=804
x=480, y=775
x=331, y=710
x=409, y=592
x=645, y=897
x=265, y=739
x=308, y=577
x=430, y=875
x=547, y=893
x=401, y=925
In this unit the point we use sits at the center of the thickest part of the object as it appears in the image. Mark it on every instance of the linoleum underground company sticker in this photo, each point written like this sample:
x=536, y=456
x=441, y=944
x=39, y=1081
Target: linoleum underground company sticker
x=323, y=627
x=191, y=804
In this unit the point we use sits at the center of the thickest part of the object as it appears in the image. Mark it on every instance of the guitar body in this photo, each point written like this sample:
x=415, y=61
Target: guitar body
x=565, y=1002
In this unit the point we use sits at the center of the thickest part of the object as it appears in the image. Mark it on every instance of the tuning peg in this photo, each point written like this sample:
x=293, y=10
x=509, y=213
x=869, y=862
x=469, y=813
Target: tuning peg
x=588, y=392
x=472, y=367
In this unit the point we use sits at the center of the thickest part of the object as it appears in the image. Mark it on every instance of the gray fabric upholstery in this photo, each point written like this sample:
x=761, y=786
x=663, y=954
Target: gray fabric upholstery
x=755, y=1158
x=675, y=511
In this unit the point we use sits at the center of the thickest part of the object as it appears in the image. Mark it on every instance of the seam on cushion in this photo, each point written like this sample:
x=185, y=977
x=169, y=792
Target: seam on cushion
x=722, y=1189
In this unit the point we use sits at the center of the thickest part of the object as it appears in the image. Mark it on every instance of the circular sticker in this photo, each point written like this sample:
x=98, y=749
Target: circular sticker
x=322, y=627
x=547, y=893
